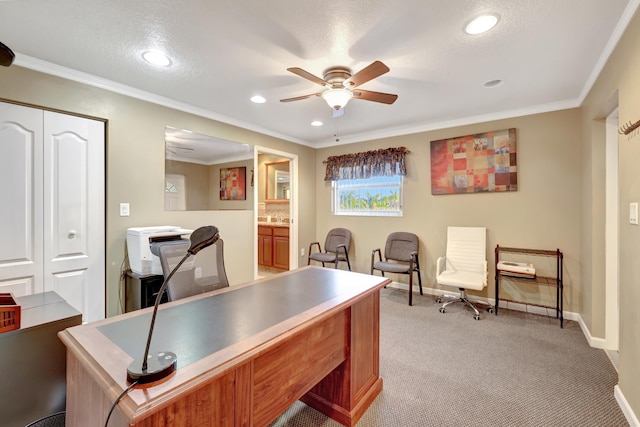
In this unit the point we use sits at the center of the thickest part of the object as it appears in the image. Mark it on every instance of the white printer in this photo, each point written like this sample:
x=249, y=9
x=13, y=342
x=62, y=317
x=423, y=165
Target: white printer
x=139, y=240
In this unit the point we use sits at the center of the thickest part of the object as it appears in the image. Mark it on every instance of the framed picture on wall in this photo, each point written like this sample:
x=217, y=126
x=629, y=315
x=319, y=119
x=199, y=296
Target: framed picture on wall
x=233, y=183
x=485, y=162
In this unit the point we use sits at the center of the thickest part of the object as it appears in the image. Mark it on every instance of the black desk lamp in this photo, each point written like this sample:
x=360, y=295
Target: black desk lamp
x=159, y=365
x=6, y=55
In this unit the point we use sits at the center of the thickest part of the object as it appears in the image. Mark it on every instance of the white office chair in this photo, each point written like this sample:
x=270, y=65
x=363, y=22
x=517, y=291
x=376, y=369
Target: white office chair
x=464, y=265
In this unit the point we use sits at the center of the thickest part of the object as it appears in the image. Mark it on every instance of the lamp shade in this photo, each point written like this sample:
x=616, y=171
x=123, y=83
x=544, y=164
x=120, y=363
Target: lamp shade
x=337, y=98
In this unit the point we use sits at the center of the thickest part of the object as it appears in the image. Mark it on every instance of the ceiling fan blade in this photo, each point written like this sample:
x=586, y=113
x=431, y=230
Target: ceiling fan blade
x=367, y=95
x=6, y=55
x=307, y=75
x=370, y=72
x=298, y=98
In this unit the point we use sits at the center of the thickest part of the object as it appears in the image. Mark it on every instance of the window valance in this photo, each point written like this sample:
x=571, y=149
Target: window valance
x=383, y=162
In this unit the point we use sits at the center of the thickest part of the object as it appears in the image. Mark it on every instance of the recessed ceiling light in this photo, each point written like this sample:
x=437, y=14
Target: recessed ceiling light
x=258, y=99
x=481, y=24
x=156, y=58
x=493, y=83
x=316, y=123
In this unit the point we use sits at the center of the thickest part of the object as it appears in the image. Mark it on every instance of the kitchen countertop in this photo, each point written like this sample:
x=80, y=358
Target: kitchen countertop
x=274, y=224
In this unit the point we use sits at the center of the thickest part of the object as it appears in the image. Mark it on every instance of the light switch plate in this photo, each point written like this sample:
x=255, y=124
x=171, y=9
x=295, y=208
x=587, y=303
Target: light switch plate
x=124, y=209
x=633, y=213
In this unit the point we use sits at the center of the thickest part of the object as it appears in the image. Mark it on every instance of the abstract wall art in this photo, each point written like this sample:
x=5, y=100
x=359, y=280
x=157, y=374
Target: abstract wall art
x=233, y=183
x=484, y=162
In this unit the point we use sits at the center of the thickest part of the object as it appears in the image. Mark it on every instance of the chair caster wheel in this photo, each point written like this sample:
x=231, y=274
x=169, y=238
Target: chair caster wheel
x=441, y=310
x=438, y=300
x=476, y=317
x=490, y=309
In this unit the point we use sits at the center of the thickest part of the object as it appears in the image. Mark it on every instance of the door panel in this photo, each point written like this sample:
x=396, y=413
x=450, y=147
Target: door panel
x=74, y=230
x=21, y=213
x=73, y=285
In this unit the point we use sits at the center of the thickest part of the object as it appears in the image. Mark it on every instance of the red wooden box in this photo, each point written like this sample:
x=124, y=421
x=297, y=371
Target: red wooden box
x=9, y=313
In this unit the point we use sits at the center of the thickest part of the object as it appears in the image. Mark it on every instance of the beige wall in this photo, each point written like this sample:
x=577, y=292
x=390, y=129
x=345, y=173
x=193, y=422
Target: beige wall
x=542, y=214
x=618, y=84
x=135, y=167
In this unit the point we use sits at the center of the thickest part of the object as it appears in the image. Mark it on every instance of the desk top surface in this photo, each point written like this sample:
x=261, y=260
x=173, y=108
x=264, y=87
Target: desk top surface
x=211, y=323
x=209, y=331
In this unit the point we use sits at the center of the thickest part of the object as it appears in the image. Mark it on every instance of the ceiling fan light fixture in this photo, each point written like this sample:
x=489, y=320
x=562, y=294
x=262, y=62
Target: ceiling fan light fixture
x=337, y=98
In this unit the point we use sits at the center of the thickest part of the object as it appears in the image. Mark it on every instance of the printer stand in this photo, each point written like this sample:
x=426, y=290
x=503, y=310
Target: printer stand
x=141, y=291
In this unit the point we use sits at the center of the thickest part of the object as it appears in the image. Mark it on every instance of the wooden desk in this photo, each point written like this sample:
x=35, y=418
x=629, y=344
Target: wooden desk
x=32, y=360
x=245, y=354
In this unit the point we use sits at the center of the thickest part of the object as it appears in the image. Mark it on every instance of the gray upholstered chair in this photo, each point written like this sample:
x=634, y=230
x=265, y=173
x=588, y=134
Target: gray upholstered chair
x=53, y=420
x=465, y=265
x=200, y=273
x=400, y=256
x=336, y=248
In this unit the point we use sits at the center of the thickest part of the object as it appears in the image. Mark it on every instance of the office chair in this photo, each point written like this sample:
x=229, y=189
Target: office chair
x=464, y=265
x=336, y=248
x=400, y=256
x=53, y=420
x=201, y=273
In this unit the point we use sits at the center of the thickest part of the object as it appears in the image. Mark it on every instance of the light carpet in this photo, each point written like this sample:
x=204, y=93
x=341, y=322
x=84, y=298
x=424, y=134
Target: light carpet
x=514, y=369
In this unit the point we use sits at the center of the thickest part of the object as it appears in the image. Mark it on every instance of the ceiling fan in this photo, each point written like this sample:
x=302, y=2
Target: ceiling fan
x=341, y=85
x=6, y=55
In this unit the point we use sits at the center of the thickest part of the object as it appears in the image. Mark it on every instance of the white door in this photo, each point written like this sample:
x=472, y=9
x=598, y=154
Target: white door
x=174, y=193
x=67, y=212
x=21, y=211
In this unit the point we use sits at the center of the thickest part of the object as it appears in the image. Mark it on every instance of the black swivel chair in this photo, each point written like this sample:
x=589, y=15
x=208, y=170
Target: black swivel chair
x=54, y=420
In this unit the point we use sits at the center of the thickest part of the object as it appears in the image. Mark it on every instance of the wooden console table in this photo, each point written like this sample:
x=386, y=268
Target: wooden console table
x=538, y=280
x=245, y=354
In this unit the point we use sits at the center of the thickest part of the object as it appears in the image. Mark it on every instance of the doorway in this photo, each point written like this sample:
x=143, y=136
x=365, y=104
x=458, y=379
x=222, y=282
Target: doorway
x=612, y=217
x=275, y=212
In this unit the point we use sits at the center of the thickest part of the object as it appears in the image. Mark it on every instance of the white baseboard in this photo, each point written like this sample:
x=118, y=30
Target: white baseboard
x=543, y=311
x=626, y=409
x=593, y=342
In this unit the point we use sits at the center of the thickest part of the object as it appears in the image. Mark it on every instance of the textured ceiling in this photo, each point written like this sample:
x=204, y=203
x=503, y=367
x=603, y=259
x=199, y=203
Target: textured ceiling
x=548, y=53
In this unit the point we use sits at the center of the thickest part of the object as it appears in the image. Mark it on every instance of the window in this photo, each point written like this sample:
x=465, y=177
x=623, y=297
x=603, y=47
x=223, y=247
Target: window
x=375, y=196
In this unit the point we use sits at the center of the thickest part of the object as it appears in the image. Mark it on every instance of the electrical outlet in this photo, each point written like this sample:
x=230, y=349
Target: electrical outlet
x=197, y=273
x=302, y=252
x=124, y=209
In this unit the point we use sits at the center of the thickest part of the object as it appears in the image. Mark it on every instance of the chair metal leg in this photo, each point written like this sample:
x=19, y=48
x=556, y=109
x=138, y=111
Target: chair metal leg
x=463, y=299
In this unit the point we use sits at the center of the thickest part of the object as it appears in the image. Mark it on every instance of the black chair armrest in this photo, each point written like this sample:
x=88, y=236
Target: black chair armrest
x=344, y=248
x=373, y=253
x=316, y=244
x=413, y=263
